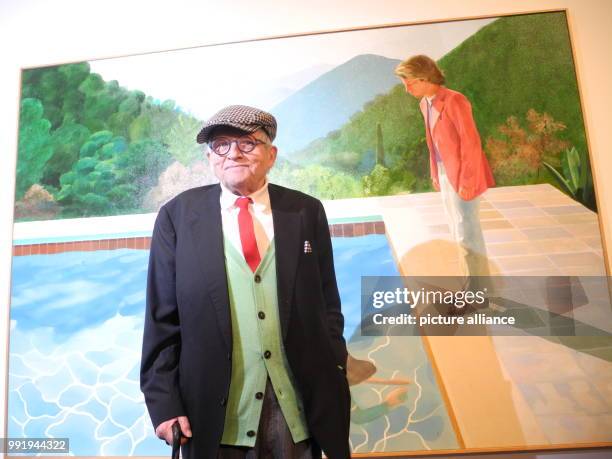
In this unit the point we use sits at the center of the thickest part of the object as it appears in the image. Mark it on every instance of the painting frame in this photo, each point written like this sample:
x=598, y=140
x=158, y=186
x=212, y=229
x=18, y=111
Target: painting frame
x=576, y=66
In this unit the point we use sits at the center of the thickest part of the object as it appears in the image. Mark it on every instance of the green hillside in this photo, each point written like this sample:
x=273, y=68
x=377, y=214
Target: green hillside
x=88, y=147
x=509, y=67
x=517, y=63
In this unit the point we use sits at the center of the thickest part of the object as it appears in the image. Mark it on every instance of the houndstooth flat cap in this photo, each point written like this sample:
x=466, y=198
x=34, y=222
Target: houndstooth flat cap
x=243, y=117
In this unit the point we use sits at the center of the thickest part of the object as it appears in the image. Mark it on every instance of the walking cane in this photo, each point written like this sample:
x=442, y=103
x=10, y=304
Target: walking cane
x=176, y=440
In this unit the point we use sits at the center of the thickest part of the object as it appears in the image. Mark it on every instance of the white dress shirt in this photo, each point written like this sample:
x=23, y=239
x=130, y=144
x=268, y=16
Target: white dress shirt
x=260, y=211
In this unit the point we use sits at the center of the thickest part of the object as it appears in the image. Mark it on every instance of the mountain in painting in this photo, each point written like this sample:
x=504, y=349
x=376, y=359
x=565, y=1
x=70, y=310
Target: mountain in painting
x=329, y=101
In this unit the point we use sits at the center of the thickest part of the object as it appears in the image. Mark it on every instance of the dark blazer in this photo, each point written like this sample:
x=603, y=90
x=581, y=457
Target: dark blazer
x=187, y=344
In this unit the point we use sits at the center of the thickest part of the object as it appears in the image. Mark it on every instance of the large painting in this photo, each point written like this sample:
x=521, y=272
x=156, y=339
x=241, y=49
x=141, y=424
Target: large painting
x=115, y=139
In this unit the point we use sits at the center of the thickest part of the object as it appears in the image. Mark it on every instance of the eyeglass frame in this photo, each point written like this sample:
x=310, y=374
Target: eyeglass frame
x=236, y=141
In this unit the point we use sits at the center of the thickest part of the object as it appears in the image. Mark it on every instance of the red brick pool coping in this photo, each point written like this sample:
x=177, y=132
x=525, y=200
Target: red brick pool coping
x=336, y=230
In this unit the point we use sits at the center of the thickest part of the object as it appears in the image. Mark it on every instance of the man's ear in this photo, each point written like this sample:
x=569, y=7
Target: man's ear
x=273, y=153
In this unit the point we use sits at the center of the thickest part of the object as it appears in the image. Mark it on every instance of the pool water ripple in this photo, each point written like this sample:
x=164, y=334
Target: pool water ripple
x=75, y=341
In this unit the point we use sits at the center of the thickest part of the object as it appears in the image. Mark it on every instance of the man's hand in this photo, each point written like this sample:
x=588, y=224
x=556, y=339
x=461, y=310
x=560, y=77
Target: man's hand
x=465, y=193
x=164, y=430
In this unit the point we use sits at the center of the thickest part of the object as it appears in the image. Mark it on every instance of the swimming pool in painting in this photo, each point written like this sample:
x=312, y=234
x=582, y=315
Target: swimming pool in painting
x=76, y=330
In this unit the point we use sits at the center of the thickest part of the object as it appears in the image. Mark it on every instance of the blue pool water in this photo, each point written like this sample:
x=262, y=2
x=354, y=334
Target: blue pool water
x=75, y=340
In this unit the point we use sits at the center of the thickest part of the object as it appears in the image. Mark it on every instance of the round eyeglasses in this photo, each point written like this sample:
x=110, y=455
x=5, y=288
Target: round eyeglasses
x=222, y=145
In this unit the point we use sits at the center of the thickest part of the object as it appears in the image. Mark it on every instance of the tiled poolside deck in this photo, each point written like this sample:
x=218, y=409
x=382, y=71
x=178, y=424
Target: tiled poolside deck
x=529, y=230
x=515, y=390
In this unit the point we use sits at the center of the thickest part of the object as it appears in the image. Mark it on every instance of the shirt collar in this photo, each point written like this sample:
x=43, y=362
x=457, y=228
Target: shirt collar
x=261, y=198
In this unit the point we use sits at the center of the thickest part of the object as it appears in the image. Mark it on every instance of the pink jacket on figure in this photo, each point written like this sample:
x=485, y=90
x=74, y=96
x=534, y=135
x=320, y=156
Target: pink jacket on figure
x=458, y=142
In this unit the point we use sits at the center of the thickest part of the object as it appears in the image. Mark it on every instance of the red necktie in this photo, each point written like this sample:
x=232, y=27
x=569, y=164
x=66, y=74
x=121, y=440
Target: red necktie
x=247, y=233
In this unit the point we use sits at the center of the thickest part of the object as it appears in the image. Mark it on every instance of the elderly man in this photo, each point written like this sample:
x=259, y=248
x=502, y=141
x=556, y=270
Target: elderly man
x=243, y=337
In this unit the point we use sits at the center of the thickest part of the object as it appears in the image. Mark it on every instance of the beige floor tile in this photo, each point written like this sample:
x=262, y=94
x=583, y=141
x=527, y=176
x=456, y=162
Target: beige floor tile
x=595, y=315
x=526, y=344
x=510, y=248
x=586, y=396
x=552, y=367
x=558, y=246
x=533, y=222
x=495, y=224
x=437, y=230
x=425, y=199
x=503, y=189
x=583, y=229
x=485, y=205
x=434, y=219
x=504, y=235
x=576, y=259
x=566, y=210
x=576, y=218
x=522, y=212
x=596, y=368
x=550, y=271
x=426, y=210
x=593, y=241
x=546, y=233
x=501, y=194
x=599, y=270
x=512, y=204
x=539, y=187
x=490, y=214
x=549, y=401
x=550, y=199
x=526, y=262
x=408, y=200
x=573, y=428
x=547, y=190
x=604, y=387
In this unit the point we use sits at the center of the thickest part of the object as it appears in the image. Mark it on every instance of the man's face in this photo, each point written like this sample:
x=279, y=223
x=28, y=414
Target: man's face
x=242, y=173
x=416, y=87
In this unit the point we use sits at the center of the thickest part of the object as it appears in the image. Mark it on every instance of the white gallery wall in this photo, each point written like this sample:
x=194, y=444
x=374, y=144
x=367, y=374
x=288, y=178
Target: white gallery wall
x=42, y=32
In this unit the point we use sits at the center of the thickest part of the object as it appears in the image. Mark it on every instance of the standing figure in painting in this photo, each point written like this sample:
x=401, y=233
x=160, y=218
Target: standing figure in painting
x=459, y=168
x=243, y=342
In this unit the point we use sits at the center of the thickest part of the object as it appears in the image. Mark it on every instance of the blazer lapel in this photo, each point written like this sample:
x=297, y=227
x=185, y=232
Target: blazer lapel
x=287, y=248
x=437, y=106
x=435, y=114
x=207, y=232
x=430, y=122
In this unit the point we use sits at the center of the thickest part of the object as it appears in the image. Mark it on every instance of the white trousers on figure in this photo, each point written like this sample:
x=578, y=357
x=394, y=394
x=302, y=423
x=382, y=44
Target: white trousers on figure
x=464, y=221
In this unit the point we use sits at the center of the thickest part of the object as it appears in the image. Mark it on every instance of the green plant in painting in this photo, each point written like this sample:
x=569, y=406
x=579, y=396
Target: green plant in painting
x=518, y=150
x=380, y=147
x=317, y=180
x=574, y=176
x=111, y=175
x=95, y=147
x=34, y=145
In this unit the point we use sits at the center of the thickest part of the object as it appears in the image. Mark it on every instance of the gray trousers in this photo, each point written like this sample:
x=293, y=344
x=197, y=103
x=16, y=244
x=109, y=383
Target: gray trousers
x=273, y=439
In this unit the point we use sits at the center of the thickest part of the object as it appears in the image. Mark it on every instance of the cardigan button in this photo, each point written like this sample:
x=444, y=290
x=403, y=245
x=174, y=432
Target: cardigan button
x=267, y=354
x=261, y=315
x=257, y=278
x=251, y=433
x=259, y=395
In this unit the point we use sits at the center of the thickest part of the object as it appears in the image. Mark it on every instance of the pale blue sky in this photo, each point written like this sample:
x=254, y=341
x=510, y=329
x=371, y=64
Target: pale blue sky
x=262, y=73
